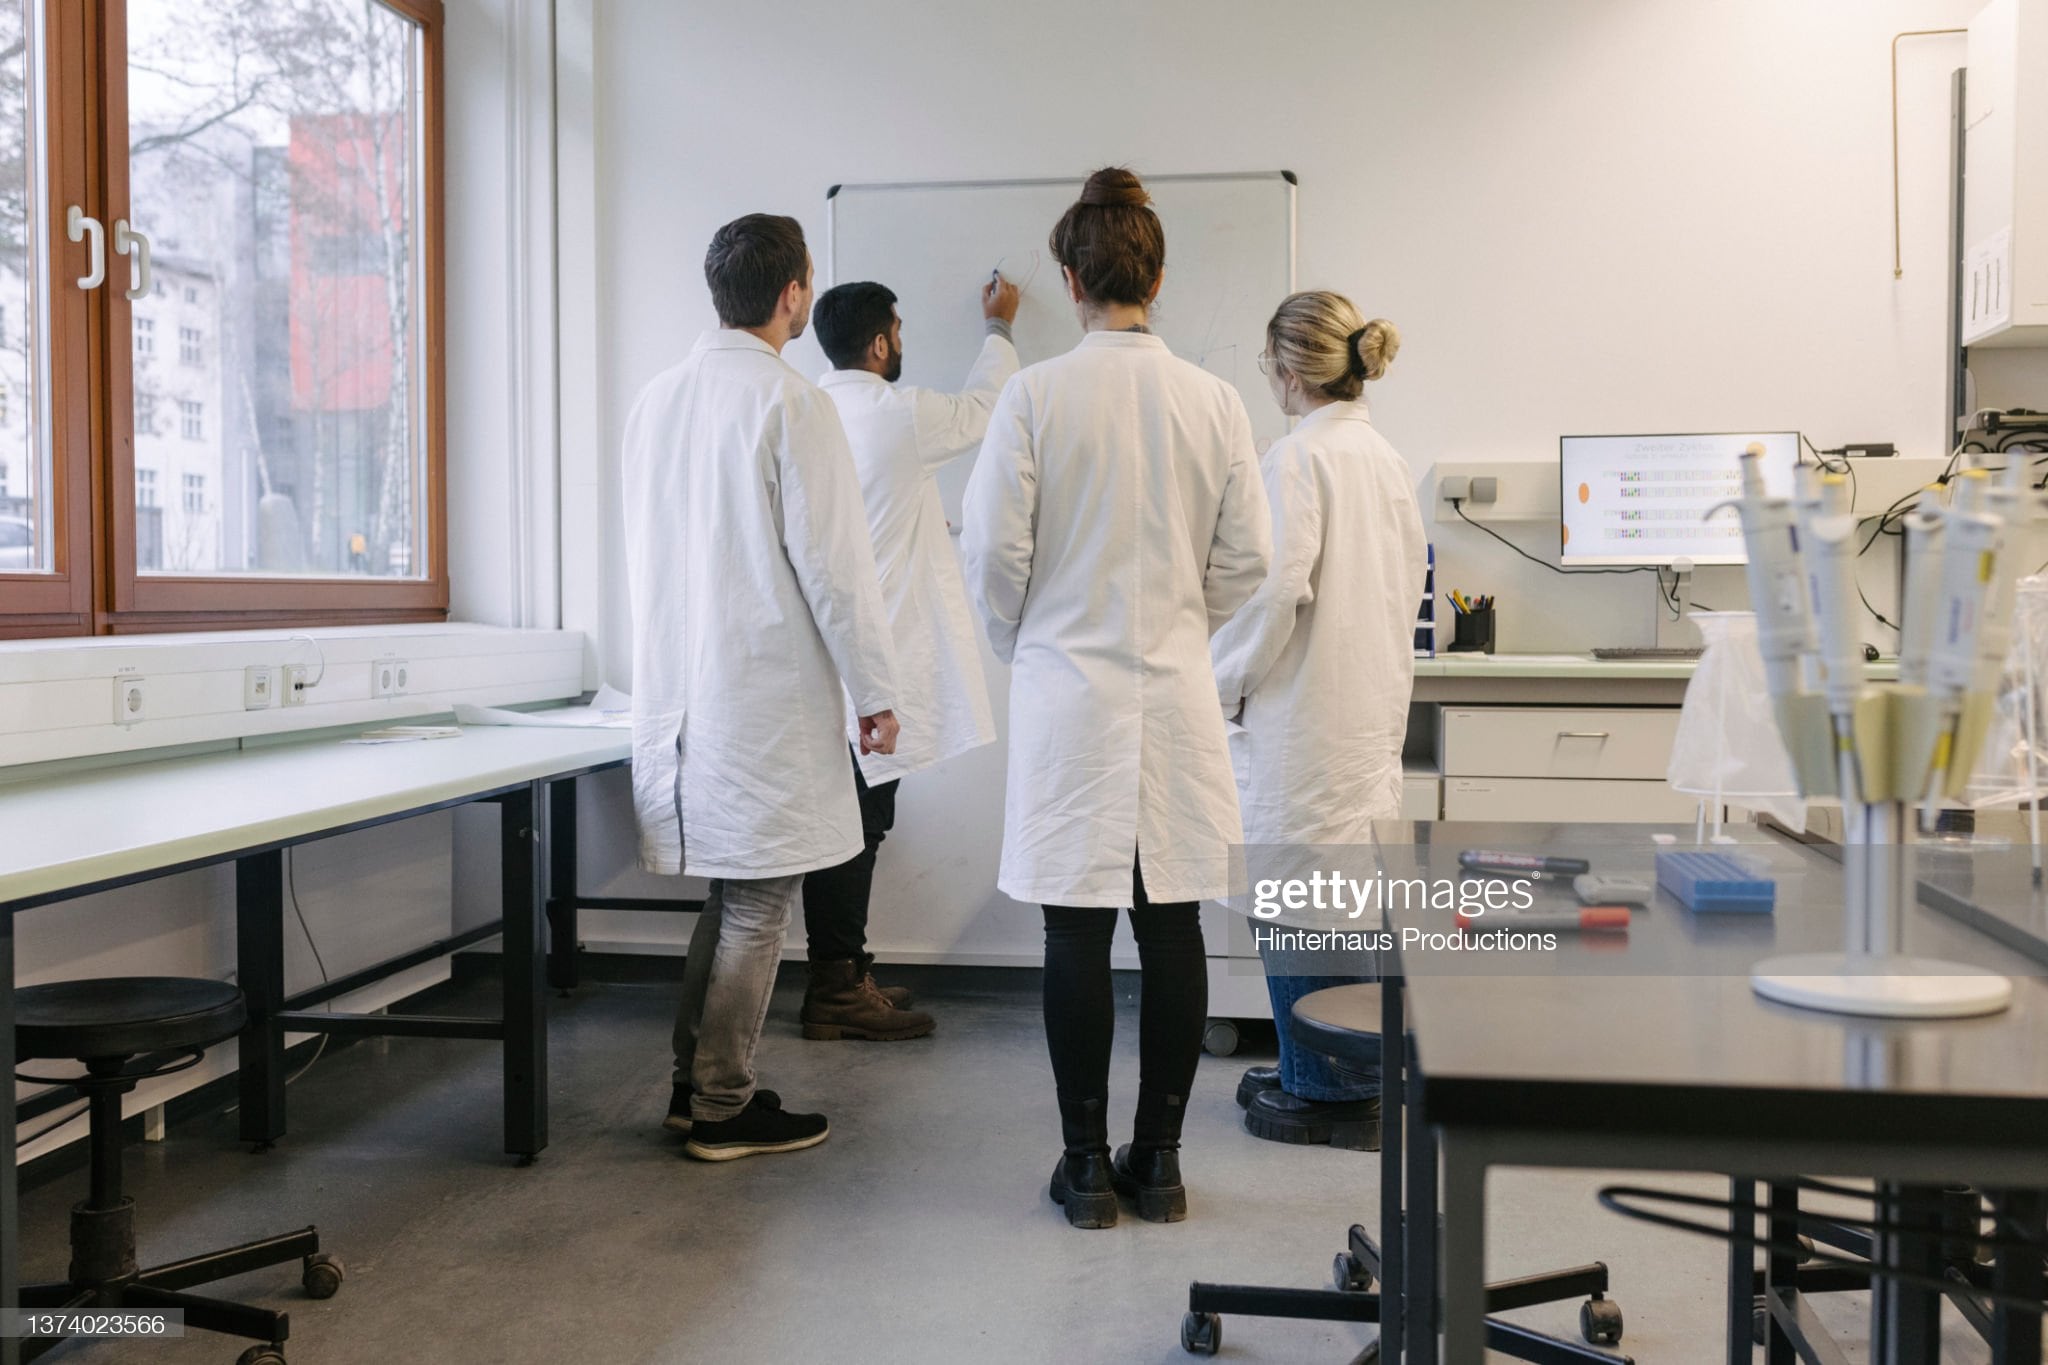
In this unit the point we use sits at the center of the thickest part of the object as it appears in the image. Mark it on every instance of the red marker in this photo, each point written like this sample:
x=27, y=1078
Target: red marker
x=1592, y=919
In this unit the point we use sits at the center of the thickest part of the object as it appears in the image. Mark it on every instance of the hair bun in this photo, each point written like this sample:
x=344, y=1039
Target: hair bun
x=1373, y=348
x=1115, y=187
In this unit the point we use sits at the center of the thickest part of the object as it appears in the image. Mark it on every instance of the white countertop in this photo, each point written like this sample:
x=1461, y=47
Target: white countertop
x=81, y=828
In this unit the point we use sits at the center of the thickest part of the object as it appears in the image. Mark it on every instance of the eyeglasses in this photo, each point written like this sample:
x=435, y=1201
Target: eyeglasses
x=1265, y=363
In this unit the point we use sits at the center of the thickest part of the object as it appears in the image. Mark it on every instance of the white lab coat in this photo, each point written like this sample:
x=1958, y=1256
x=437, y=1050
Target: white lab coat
x=1115, y=519
x=1323, y=656
x=754, y=595
x=901, y=436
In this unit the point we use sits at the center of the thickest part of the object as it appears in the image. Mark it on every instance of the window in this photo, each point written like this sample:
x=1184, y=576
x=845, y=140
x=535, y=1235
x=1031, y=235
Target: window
x=282, y=157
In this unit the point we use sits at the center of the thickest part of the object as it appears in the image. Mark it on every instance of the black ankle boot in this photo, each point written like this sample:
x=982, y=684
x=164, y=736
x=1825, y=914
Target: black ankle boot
x=1081, y=1181
x=1147, y=1168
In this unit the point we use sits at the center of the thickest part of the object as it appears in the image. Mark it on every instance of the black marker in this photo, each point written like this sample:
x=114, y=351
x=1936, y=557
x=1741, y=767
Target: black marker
x=1521, y=864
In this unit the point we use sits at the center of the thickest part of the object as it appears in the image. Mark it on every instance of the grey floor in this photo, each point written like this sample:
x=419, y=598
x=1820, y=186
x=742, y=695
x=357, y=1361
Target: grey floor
x=920, y=1232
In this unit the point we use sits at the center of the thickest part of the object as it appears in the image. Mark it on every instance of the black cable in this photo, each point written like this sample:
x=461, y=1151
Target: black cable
x=292, y=884
x=1457, y=506
x=1611, y=1198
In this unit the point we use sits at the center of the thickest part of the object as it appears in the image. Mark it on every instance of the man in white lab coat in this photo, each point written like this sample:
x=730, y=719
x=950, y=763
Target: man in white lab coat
x=901, y=437
x=754, y=599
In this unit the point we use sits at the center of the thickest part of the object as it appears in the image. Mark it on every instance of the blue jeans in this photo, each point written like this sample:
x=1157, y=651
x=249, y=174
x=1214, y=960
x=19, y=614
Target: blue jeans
x=1304, y=1074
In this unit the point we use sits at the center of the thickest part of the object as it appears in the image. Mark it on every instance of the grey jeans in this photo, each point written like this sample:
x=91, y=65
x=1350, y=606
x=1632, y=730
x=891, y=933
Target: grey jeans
x=727, y=977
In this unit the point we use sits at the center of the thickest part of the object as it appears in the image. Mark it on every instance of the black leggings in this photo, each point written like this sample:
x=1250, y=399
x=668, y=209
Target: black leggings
x=1080, y=1002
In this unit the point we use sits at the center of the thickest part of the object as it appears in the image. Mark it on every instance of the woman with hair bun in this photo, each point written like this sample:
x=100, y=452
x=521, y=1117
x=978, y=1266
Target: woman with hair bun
x=1319, y=665
x=1114, y=520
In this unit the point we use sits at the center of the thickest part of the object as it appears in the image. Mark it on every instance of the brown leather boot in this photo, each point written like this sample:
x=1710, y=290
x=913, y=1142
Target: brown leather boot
x=899, y=996
x=842, y=1002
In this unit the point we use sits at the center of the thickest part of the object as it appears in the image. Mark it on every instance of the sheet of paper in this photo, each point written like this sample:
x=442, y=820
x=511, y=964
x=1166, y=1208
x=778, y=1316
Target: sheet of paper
x=610, y=709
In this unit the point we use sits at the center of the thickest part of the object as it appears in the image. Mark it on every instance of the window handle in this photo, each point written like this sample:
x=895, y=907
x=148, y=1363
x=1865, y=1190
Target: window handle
x=78, y=225
x=127, y=239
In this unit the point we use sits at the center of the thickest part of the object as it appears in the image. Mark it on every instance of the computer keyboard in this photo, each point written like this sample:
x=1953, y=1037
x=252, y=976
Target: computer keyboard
x=1650, y=652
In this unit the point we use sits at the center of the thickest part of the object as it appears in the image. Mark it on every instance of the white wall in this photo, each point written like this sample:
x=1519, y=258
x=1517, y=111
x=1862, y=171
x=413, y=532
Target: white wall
x=1586, y=215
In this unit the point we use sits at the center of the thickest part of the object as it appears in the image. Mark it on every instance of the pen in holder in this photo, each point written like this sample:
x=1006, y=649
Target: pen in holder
x=1471, y=625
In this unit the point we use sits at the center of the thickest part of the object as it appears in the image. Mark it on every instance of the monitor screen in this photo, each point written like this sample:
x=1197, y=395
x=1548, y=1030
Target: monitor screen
x=1644, y=499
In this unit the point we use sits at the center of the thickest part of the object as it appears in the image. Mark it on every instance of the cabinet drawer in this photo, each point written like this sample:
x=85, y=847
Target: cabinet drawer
x=1560, y=801
x=1543, y=741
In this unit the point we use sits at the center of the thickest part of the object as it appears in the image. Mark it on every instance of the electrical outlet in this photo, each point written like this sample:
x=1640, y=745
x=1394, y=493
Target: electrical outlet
x=388, y=678
x=1456, y=487
x=131, y=700
x=294, y=684
x=1485, y=488
x=259, y=687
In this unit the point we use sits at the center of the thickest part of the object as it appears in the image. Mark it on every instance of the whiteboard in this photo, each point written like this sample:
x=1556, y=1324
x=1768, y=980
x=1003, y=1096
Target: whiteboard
x=1229, y=262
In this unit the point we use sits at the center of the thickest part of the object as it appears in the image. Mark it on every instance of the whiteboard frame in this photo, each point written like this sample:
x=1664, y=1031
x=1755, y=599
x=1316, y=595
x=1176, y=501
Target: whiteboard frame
x=1288, y=178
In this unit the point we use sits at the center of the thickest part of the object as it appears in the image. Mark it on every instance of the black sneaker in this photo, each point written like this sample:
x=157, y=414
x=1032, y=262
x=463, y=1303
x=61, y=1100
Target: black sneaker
x=759, y=1128
x=679, y=1120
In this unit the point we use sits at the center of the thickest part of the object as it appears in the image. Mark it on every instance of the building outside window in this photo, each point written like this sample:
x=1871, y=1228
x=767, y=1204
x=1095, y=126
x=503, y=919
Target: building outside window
x=191, y=350
x=191, y=419
x=145, y=488
x=195, y=493
x=145, y=336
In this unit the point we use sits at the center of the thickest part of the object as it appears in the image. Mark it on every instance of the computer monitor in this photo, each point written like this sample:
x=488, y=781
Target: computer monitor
x=1643, y=500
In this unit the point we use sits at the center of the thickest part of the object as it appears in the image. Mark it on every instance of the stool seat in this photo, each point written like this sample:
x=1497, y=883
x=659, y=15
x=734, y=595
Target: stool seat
x=1341, y=1022
x=120, y=1016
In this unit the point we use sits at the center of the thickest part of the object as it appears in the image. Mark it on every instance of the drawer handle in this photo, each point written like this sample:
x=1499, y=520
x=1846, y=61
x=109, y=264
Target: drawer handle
x=1583, y=734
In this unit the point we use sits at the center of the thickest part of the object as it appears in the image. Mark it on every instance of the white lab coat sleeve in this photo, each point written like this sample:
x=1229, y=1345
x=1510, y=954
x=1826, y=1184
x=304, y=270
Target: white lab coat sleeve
x=825, y=535
x=1242, y=544
x=999, y=519
x=1249, y=644
x=948, y=425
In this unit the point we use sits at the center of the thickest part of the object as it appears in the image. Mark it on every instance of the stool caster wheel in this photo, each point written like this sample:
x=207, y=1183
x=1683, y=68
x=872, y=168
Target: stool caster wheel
x=1220, y=1038
x=261, y=1355
x=1760, y=1324
x=1348, y=1275
x=1600, y=1322
x=322, y=1276
x=1201, y=1334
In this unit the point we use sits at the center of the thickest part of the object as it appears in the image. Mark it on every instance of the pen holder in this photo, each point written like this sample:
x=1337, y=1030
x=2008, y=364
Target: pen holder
x=1472, y=631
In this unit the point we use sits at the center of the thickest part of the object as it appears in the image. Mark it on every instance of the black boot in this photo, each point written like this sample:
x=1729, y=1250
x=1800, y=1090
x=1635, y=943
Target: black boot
x=1081, y=1182
x=1255, y=1080
x=1147, y=1168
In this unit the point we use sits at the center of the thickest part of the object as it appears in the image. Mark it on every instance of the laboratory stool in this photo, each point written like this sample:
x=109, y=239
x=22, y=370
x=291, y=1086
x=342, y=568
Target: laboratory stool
x=124, y=1030
x=1343, y=1023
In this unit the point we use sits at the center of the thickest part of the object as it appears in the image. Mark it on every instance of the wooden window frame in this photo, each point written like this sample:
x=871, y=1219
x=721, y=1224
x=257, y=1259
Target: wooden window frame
x=97, y=587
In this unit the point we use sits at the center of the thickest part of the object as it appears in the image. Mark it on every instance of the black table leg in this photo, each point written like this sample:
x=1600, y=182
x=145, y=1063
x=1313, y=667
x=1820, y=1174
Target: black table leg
x=562, y=885
x=1741, y=1270
x=10, y=1218
x=2016, y=1331
x=524, y=961
x=1419, y=1313
x=259, y=967
x=1905, y=1319
x=1783, y=1272
x=1393, y=1112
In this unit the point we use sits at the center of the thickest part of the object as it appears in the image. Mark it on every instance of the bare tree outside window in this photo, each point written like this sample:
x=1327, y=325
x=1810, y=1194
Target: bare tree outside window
x=275, y=159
